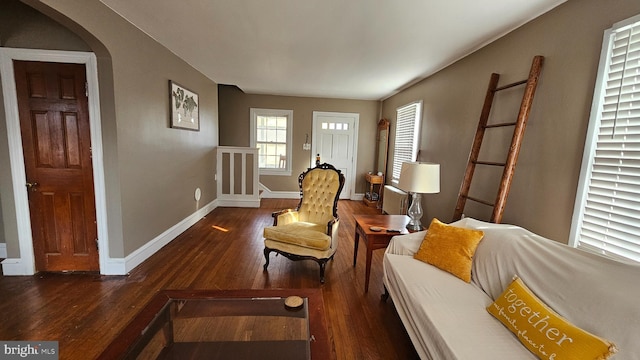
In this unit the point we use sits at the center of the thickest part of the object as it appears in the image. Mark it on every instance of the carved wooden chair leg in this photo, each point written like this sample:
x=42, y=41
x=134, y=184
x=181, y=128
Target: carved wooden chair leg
x=322, y=264
x=385, y=296
x=266, y=256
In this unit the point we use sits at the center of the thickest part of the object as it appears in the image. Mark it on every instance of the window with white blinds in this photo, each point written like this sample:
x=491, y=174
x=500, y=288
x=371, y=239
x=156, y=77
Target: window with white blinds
x=407, y=132
x=607, y=211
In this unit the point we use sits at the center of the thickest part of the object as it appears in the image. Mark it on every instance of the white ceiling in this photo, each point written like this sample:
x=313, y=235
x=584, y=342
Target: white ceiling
x=353, y=49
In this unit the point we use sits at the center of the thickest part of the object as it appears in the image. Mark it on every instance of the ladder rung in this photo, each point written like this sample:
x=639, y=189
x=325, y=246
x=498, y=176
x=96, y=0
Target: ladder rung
x=500, y=125
x=511, y=85
x=480, y=201
x=488, y=163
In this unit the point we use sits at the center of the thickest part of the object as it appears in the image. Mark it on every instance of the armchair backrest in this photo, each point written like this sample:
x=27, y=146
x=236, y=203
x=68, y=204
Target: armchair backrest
x=320, y=188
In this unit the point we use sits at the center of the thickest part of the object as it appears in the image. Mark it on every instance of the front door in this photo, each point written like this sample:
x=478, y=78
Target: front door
x=54, y=124
x=334, y=140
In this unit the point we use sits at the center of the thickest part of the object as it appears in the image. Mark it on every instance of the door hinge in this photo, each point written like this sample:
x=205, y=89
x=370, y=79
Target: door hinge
x=86, y=89
x=97, y=245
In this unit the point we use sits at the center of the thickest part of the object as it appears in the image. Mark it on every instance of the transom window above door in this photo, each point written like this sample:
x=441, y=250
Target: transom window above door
x=271, y=131
x=334, y=126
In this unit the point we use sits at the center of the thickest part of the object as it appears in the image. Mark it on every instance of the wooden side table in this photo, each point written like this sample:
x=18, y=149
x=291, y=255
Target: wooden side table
x=374, y=180
x=376, y=239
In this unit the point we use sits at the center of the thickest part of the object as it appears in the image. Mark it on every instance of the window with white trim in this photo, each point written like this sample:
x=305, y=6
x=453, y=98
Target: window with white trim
x=407, y=132
x=271, y=131
x=607, y=210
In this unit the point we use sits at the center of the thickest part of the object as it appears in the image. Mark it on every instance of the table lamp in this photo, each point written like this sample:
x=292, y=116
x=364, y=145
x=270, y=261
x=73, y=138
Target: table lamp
x=418, y=178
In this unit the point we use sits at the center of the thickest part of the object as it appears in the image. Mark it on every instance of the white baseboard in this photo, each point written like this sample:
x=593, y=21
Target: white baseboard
x=268, y=194
x=122, y=266
x=15, y=267
x=114, y=266
x=3, y=250
x=239, y=203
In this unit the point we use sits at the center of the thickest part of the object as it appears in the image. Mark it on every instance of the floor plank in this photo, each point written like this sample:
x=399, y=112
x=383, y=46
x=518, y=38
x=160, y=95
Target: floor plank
x=84, y=312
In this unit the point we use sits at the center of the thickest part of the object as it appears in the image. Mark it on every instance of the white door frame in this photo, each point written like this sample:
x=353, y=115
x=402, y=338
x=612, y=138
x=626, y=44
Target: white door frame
x=25, y=264
x=354, y=159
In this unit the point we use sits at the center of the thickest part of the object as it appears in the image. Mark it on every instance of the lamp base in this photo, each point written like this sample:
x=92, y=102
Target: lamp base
x=414, y=227
x=415, y=213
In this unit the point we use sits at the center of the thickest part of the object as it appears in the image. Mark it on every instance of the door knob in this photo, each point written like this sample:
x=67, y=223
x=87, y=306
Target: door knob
x=32, y=186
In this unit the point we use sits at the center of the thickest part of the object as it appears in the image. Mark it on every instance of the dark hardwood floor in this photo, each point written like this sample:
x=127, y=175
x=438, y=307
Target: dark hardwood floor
x=85, y=312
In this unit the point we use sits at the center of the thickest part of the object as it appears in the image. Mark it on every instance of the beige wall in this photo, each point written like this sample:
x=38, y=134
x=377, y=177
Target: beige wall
x=543, y=192
x=22, y=26
x=234, y=129
x=151, y=170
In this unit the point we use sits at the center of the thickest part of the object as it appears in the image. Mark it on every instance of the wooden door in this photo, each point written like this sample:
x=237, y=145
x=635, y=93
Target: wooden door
x=334, y=141
x=54, y=122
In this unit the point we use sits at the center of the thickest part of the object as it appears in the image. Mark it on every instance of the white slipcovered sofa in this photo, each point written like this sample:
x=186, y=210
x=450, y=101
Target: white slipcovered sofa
x=446, y=318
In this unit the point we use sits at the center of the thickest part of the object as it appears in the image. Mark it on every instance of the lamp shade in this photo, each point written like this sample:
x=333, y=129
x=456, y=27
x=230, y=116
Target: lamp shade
x=419, y=177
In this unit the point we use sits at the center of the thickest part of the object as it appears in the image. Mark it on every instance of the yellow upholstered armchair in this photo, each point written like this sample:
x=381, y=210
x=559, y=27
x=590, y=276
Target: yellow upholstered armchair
x=310, y=231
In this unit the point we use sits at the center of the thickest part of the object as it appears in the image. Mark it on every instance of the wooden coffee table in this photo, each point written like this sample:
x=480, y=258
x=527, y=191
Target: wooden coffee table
x=226, y=324
x=376, y=239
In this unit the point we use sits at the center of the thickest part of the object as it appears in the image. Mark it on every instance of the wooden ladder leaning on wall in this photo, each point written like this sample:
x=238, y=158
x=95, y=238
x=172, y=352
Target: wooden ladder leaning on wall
x=514, y=149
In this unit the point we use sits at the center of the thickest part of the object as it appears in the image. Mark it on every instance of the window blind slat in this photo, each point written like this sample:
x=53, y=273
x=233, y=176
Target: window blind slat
x=622, y=231
x=610, y=238
x=609, y=250
x=620, y=210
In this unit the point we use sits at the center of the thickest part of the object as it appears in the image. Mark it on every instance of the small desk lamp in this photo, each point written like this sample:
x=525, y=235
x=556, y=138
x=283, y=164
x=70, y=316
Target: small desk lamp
x=418, y=178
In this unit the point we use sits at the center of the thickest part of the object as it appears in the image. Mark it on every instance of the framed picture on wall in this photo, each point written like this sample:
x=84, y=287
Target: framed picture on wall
x=185, y=107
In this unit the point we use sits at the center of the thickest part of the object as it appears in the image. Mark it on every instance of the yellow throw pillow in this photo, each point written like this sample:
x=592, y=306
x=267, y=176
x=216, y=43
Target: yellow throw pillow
x=542, y=330
x=450, y=248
